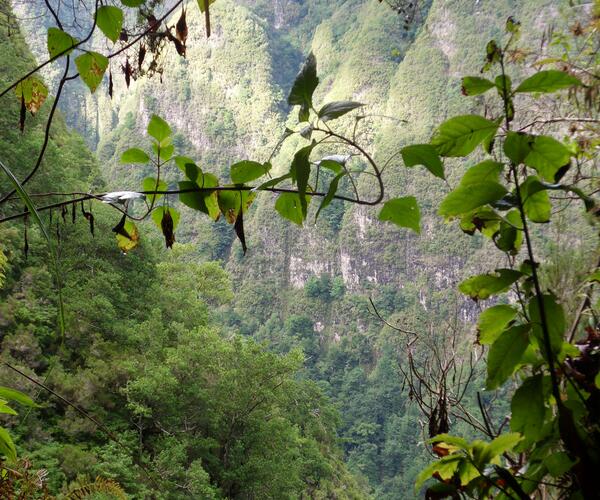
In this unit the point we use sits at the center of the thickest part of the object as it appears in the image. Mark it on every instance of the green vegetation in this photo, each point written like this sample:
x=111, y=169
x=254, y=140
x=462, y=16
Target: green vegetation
x=262, y=355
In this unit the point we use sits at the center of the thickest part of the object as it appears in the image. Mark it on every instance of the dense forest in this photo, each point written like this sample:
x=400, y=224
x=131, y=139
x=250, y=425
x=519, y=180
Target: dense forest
x=299, y=249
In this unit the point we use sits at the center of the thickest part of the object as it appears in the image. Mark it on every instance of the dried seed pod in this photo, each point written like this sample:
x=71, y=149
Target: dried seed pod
x=181, y=29
x=166, y=225
x=141, y=56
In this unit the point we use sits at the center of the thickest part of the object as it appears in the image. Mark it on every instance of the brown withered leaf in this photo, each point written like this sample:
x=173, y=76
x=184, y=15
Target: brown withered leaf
x=239, y=230
x=127, y=71
x=22, y=115
x=141, y=56
x=181, y=29
x=110, y=84
x=166, y=225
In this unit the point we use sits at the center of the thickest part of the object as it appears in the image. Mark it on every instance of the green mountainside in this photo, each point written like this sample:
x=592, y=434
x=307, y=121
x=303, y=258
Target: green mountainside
x=306, y=288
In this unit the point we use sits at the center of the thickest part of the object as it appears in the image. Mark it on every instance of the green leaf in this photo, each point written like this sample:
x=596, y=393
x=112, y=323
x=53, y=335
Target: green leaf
x=536, y=201
x=452, y=440
x=132, y=3
x=246, y=171
x=18, y=396
x=33, y=92
x=205, y=201
x=7, y=410
x=517, y=146
x=423, y=154
x=165, y=152
x=505, y=354
x=493, y=321
x=404, y=212
x=558, y=463
x=469, y=197
x=555, y=320
x=159, y=130
x=597, y=380
x=502, y=444
x=300, y=171
x=548, y=156
x=150, y=184
x=230, y=203
x=333, y=186
x=528, y=408
x=510, y=235
x=273, y=182
x=110, y=20
x=335, y=109
x=60, y=42
x=548, y=81
x=134, y=155
x=486, y=171
x=304, y=86
x=129, y=237
x=91, y=67
x=7, y=447
x=159, y=212
x=189, y=168
x=474, y=85
x=332, y=165
x=288, y=205
x=446, y=467
x=460, y=135
x=483, y=286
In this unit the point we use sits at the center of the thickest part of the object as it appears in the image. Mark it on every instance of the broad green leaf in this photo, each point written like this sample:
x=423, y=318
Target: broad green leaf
x=33, y=91
x=231, y=202
x=246, y=171
x=548, y=81
x=18, y=396
x=205, y=201
x=60, y=42
x=558, y=463
x=134, y=155
x=483, y=286
x=404, y=212
x=517, y=146
x=505, y=355
x=486, y=171
x=129, y=238
x=7, y=410
x=332, y=165
x=288, y=205
x=469, y=197
x=189, y=168
x=304, y=86
x=510, y=235
x=300, y=171
x=493, y=321
x=165, y=152
x=460, y=135
x=445, y=467
x=536, y=201
x=132, y=3
x=597, y=380
x=7, y=447
x=335, y=109
x=474, y=85
x=528, y=408
x=150, y=184
x=483, y=219
x=110, y=20
x=502, y=444
x=555, y=320
x=423, y=154
x=159, y=130
x=333, y=186
x=548, y=156
x=159, y=212
x=448, y=439
x=91, y=67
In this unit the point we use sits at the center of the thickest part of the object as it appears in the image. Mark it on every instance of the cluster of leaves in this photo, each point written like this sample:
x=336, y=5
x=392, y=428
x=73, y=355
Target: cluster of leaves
x=554, y=415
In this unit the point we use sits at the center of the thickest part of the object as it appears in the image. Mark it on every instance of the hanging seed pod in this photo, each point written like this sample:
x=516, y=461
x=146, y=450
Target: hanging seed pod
x=179, y=47
x=141, y=56
x=73, y=213
x=127, y=72
x=181, y=28
x=207, y=18
x=63, y=213
x=89, y=217
x=120, y=227
x=239, y=230
x=22, y=114
x=166, y=225
x=110, y=84
x=123, y=36
x=152, y=23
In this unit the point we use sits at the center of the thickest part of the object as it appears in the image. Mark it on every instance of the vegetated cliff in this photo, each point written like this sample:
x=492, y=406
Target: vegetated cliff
x=310, y=286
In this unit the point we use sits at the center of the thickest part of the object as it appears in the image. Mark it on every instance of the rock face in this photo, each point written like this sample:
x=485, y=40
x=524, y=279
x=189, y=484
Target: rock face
x=226, y=102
